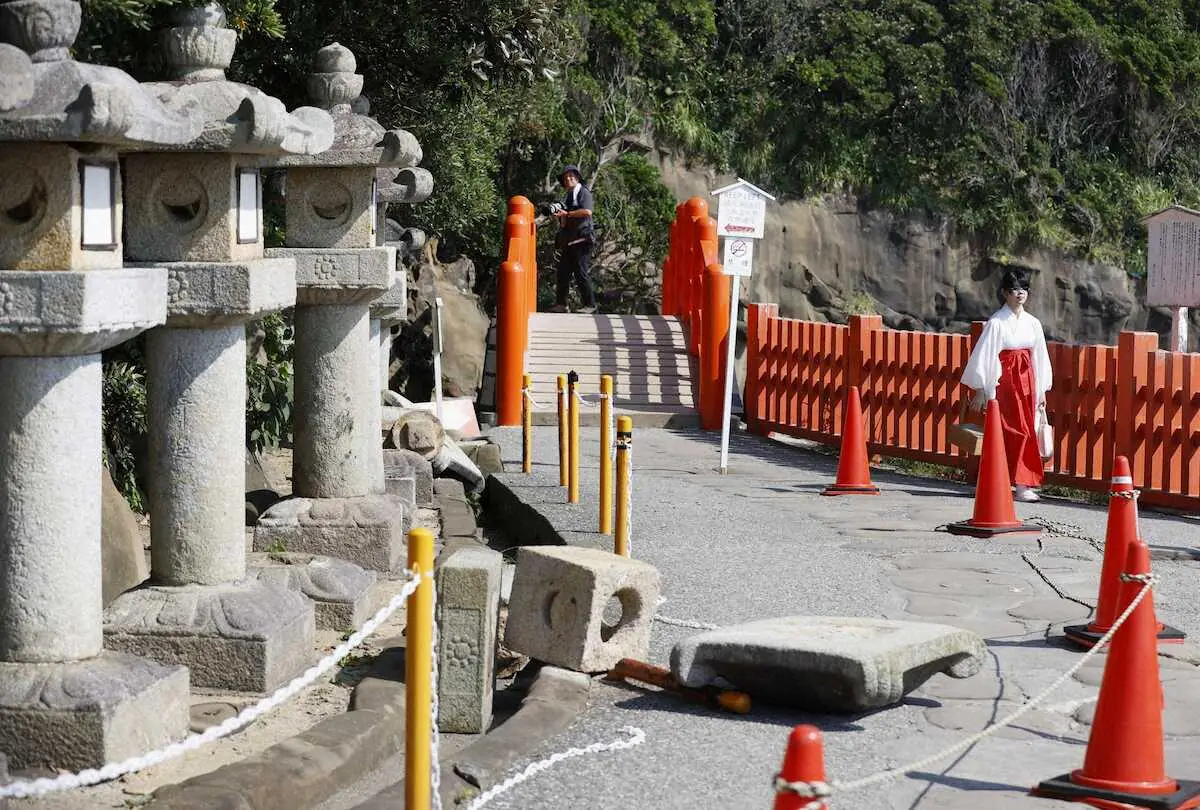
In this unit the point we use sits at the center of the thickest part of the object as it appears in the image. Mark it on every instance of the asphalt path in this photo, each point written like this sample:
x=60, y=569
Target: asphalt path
x=760, y=542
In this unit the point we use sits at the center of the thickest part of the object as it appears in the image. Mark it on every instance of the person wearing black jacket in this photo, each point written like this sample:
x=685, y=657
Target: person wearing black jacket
x=574, y=241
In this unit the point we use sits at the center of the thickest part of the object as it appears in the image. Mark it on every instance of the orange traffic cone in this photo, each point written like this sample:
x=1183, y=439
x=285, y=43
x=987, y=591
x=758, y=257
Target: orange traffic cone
x=804, y=761
x=1122, y=530
x=994, y=512
x=1123, y=767
x=854, y=473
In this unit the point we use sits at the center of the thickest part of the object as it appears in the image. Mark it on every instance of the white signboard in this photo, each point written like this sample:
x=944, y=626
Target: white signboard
x=249, y=208
x=742, y=212
x=1173, y=274
x=739, y=256
x=99, y=216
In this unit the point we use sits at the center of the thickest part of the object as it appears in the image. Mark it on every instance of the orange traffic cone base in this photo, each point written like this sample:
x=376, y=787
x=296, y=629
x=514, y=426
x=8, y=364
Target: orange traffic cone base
x=1186, y=797
x=1087, y=637
x=850, y=489
x=970, y=528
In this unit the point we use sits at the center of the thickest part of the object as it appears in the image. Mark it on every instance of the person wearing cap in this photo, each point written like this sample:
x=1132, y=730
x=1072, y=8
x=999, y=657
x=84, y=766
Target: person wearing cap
x=574, y=242
x=1011, y=365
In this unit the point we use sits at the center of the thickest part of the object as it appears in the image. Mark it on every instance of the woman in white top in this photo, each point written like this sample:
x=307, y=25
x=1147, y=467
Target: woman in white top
x=1011, y=365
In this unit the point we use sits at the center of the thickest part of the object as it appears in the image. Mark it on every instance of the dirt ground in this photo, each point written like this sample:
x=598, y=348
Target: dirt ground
x=328, y=696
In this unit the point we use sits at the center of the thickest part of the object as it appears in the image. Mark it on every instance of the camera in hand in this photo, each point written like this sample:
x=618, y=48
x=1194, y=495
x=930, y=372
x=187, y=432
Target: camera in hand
x=549, y=209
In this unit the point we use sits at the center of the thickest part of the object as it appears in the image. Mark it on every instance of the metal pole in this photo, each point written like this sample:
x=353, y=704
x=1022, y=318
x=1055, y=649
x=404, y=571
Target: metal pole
x=606, y=466
x=573, y=410
x=624, y=447
x=418, y=666
x=731, y=340
x=527, y=424
x=564, y=473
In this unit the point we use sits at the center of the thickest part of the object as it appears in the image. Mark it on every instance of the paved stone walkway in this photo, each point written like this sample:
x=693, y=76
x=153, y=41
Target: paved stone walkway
x=761, y=542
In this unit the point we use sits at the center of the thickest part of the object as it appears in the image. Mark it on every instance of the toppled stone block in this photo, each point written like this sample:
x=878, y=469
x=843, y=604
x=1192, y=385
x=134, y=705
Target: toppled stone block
x=121, y=551
x=86, y=713
x=401, y=465
x=451, y=461
x=368, y=531
x=418, y=431
x=340, y=591
x=242, y=637
x=560, y=595
x=826, y=663
x=468, y=601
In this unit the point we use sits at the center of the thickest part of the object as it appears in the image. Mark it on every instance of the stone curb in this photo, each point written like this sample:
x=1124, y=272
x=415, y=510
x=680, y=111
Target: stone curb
x=553, y=701
x=530, y=515
x=304, y=770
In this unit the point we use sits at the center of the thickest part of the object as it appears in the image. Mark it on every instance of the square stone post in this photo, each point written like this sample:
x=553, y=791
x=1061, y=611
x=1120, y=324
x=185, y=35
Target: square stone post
x=197, y=211
x=337, y=468
x=65, y=702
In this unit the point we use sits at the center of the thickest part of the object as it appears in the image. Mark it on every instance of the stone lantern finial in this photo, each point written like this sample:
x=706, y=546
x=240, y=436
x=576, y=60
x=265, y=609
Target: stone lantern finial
x=335, y=82
x=200, y=46
x=44, y=29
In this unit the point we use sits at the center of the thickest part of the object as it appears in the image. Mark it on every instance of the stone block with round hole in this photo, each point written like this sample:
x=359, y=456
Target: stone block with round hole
x=580, y=608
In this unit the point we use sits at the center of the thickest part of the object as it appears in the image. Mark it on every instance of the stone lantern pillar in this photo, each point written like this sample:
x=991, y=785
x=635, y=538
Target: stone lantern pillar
x=65, y=702
x=196, y=210
x=331, y=233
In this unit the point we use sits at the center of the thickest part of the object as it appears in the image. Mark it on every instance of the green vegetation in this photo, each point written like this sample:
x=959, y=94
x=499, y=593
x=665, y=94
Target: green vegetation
x=1029, y=122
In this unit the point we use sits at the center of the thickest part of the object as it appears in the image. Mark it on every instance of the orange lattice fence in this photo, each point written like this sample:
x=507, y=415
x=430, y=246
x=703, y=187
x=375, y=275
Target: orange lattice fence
x=1129, y=399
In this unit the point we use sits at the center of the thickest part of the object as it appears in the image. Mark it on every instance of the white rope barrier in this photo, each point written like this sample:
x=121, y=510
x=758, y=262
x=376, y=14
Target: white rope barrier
x=528, y=394
x=822, y=790
x=636, y=738
x=114, y=770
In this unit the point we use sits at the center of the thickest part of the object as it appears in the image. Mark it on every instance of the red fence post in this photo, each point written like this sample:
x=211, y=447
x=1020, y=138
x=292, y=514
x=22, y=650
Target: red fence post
x=858, y=347
x=512, y=325
x=713, y=346
x=755, y=395
x=1133, y=367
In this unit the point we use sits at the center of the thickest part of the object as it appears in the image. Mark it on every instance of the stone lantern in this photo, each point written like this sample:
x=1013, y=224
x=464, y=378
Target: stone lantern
x=331, y=203
x=407, y=185
x=196, y=209
x=65, y=702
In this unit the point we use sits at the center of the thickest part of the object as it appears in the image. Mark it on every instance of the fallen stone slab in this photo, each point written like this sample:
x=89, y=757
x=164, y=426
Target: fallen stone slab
x=827, y=663
x=407, y=472
x=452, y=461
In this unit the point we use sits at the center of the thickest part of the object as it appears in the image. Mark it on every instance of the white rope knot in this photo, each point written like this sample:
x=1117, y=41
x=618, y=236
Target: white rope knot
x=528, y=394
x=1128, y=494
x=1146, y=579
x=805, y=790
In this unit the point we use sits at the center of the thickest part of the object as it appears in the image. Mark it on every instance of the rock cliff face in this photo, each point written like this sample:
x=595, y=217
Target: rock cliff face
x=829, y=258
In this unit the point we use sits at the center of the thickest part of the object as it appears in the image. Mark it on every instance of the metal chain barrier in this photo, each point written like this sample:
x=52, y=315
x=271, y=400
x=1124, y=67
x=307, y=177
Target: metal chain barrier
x=823, y=790
x=113, y=770
x=636, y=738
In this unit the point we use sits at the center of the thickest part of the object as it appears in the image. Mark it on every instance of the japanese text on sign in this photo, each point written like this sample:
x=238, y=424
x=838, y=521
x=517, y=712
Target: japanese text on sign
x=739, y=257
x=741, y=213
x=1173, y=276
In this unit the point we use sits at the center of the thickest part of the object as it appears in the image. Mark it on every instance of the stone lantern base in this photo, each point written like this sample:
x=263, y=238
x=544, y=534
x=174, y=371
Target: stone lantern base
x=340, y=591
x=370, y=531
x=87, y=713
x=245, y=636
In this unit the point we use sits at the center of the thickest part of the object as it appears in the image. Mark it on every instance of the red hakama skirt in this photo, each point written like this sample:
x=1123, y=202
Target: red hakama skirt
x=1018, y=403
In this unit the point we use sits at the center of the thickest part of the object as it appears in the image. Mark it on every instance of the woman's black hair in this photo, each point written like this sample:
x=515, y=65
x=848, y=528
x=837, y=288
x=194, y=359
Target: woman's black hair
x=1014, y=280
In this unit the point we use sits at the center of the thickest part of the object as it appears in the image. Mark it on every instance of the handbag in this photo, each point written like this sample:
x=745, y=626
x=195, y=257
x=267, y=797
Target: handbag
x=965, y=434
x=1045, y=436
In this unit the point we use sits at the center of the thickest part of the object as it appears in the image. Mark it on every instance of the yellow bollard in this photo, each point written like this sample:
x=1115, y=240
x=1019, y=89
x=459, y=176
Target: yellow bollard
x=418, y=666
x=624, y=451
x=606, y=471
x=527, y=424
x=563, y=470
x=573, y=409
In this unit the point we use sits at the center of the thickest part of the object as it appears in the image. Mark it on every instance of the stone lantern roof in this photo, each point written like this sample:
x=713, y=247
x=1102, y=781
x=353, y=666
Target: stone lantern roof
x=359, y=140
x=47, y=96
x=237, y=117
